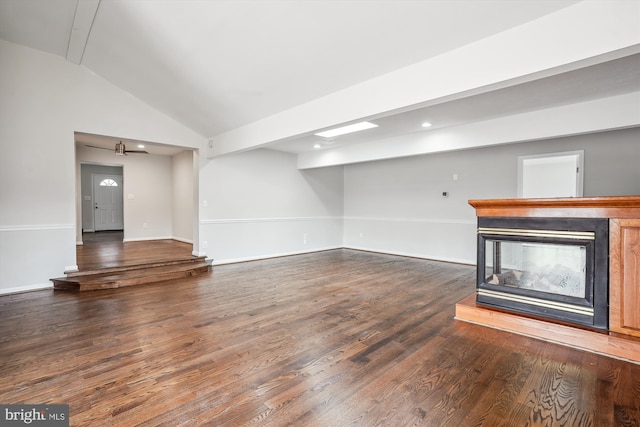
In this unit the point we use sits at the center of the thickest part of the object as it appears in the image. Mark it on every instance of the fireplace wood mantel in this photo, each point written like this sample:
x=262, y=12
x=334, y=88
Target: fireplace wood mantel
x=623, y=213
x=573, y=207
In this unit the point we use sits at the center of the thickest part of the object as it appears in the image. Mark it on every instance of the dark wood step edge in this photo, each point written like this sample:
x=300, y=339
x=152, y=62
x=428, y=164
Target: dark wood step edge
x=123, y=268
x=113, y=281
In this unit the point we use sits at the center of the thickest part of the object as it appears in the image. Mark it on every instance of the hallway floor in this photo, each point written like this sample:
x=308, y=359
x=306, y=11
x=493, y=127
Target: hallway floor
x=105, y=249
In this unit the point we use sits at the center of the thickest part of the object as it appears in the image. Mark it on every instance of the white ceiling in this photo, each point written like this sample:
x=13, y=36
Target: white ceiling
x=603, y=80
x=215, y=65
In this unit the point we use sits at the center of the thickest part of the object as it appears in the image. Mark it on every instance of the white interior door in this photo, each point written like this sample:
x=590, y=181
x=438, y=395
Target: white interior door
x=107, y=200
x=551, y=175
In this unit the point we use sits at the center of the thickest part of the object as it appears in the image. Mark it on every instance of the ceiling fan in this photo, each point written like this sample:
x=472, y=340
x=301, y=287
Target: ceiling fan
x=121, y=150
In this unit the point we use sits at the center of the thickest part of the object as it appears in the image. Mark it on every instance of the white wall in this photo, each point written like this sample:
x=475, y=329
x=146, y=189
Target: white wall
x=396, y=206
x=260, y=205
x=43, y=101
x=183, y=196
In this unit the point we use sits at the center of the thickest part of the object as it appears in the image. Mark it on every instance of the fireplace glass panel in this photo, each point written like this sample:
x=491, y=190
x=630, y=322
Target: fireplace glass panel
x=544, y=267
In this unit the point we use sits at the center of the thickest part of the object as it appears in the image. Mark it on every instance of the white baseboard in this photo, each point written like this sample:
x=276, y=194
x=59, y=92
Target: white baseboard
x=412, y=255
x=180, y=239
x=28, y=288
x=145, y=239
x=405, y=254
x=278, y=255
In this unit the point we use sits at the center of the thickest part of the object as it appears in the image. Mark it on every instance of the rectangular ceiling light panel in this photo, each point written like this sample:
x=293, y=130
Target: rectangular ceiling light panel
x=346, y=129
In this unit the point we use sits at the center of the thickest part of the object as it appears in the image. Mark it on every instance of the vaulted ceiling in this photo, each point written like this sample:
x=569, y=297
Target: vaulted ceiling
x=219, y=65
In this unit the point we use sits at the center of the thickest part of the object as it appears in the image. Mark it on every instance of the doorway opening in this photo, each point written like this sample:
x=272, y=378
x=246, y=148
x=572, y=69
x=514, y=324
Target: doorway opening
x=156, y=199
x=551, y=175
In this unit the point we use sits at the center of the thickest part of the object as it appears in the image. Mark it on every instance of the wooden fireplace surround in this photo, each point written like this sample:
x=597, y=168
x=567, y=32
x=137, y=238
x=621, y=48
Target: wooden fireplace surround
x=623, y=338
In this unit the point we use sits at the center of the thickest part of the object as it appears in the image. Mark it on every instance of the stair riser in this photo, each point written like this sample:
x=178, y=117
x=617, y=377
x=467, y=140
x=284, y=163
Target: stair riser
x=124, y=282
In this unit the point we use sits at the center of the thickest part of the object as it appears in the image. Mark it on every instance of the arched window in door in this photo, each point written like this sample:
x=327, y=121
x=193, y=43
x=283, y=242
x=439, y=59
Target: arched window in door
x=108, y=182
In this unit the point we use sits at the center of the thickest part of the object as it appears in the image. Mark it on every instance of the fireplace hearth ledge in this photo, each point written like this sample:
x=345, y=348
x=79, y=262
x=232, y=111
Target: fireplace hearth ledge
x=616, y=346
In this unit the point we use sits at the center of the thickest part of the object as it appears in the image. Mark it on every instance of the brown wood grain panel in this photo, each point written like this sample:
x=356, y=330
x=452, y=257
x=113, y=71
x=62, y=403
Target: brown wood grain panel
x=624, y=276
x=631, y=274
x=615, y=277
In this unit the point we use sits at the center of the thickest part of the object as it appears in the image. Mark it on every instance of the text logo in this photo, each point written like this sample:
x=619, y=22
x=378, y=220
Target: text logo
x=34, y=415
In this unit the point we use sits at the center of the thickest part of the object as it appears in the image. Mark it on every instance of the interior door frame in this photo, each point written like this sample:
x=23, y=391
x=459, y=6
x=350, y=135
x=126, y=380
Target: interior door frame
x=579, y=154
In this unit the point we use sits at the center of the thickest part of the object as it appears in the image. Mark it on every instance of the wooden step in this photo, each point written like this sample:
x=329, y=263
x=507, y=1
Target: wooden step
x=118, y=277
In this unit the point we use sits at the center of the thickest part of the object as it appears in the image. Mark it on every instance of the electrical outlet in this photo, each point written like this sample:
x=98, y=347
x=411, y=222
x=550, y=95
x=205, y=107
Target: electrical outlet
x=205, y=245
x=304, y=238
x=145, y=225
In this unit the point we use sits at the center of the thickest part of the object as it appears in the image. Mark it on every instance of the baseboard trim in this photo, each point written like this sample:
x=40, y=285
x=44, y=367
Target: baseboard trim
x=413, y=255
x=278, y=255
x=355, y=248
x=180, y=239
x=28, y=288
x=145, y=239
x=419, y=220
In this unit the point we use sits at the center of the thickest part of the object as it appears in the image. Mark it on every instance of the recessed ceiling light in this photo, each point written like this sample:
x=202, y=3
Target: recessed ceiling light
x=346, y=129
x=140, y=145
x=316, y=146
x=426, y=125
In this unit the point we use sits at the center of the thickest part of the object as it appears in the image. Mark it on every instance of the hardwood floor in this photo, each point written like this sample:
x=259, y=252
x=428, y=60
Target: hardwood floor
x=106, y=249
x=336, y=338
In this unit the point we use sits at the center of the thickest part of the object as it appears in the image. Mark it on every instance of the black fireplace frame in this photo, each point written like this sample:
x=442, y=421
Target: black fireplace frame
x=597, y=271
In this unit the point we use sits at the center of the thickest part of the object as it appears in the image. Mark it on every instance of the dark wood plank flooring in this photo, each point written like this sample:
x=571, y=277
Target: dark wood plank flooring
x=336, y=338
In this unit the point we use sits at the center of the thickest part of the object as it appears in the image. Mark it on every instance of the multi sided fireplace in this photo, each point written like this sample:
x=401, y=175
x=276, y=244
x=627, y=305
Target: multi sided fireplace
x=552, y=268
